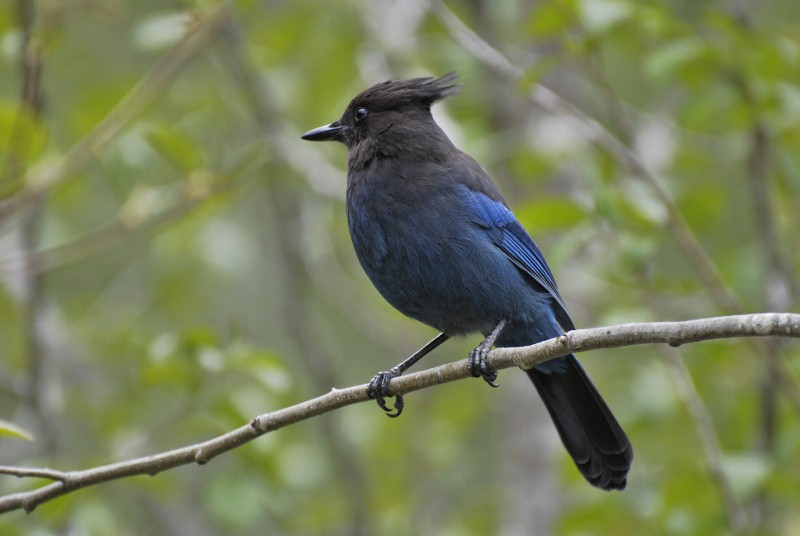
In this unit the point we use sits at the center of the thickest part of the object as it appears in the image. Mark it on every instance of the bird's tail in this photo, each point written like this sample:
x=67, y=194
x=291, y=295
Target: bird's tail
x=588, y=429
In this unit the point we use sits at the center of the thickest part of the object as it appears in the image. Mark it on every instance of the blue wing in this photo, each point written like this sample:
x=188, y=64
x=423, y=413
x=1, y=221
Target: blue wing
x=516, y=243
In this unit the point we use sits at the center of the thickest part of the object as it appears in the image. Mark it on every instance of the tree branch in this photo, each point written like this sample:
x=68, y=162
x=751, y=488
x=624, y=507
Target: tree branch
x=672, y=333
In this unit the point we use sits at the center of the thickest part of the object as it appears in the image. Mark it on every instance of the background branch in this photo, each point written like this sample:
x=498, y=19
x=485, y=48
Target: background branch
x=672, y=333
x=42, y=179
x=737, y=515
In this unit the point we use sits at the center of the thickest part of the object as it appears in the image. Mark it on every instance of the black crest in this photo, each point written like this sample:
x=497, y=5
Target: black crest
x=394, y=94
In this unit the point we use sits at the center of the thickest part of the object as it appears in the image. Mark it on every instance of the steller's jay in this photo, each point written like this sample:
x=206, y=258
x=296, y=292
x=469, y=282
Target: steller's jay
x=436, y=238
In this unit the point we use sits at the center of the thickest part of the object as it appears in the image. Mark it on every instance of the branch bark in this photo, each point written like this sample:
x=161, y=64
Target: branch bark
x=672, y=333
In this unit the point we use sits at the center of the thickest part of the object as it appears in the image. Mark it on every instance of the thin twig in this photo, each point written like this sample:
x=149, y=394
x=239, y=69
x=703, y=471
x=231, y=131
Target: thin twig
x=672, y=333
x=43, y=178
x=34, y=472
x=737, y=515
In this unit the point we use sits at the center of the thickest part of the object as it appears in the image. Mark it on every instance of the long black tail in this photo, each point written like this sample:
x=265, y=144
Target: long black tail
x=588, y=429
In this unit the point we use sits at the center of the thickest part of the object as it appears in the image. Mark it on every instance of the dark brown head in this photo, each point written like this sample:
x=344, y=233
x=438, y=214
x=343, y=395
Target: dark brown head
x=386, y=107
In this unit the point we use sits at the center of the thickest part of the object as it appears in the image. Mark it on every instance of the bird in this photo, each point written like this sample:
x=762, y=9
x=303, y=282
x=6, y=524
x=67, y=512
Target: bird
x=438, y=241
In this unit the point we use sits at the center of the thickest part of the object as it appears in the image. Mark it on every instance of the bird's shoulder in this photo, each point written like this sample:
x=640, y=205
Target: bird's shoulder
x=466, y=172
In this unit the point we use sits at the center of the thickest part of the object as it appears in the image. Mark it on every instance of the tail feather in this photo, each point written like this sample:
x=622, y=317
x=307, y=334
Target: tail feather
x=588, y=429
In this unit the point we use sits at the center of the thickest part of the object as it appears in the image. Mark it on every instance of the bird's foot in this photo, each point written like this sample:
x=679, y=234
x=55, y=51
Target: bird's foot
x=378, y=389
x=478, y=366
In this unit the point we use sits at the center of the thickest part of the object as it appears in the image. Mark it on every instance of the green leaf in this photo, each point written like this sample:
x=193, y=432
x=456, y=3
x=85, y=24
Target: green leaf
x=175, y=147
x=600, y=15
x=551, y=19
x=12, y=430
x=666, y=60
x=747, y=472
x=160, y=31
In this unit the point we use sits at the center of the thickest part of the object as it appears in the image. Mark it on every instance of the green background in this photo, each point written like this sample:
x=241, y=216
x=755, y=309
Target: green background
x=188, y=266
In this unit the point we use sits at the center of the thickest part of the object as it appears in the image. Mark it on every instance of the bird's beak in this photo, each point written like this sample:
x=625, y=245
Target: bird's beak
x=324, y=133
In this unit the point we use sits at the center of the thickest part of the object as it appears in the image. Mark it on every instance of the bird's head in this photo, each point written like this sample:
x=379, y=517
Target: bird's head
x=377, y=109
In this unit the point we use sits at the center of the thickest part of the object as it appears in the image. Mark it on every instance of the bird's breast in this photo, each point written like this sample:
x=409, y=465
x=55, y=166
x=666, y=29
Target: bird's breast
x=430, y=260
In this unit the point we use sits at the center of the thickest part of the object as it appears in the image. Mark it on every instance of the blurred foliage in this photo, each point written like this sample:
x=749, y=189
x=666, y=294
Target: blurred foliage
x=194, y=270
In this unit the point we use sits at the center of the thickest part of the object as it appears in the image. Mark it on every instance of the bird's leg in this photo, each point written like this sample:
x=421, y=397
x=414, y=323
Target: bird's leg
x=378, y=386
x=477, y=357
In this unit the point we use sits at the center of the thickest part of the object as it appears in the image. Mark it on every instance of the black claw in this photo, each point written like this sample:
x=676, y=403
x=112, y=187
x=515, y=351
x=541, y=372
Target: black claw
x=378, y=390
x=490, y=379
x=479, y=368
x=398, y=407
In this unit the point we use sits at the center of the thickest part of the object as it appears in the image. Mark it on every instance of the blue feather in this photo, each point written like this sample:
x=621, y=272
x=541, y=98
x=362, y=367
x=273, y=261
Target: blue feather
x=517, y=244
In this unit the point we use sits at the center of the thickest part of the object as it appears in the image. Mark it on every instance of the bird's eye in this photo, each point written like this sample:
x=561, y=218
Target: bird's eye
x=361, y=114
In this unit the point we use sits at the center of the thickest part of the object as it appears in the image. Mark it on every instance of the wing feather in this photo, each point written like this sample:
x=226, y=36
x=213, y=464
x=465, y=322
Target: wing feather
x=519, y=247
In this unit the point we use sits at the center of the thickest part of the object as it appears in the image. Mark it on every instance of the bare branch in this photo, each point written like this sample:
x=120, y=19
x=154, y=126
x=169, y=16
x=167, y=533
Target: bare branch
x=672, y=333
x=33, y=472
